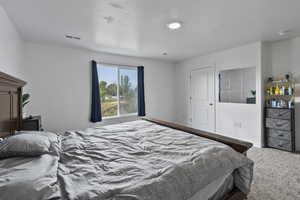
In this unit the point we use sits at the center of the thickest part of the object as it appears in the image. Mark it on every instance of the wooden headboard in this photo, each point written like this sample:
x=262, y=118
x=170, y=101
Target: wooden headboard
x=10, y=104
x=238, y=145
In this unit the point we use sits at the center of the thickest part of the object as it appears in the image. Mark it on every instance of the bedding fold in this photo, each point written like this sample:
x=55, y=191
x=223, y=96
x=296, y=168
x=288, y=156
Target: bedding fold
x=31, y=178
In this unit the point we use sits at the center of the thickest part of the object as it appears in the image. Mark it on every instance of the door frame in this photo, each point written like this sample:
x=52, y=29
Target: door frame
x=204, y=68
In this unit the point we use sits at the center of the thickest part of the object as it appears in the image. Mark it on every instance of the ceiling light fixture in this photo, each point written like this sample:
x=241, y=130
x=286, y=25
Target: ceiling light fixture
x=174, y=25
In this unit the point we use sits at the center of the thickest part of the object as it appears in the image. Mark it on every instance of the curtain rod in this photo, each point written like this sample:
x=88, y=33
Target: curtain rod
x=106, y=63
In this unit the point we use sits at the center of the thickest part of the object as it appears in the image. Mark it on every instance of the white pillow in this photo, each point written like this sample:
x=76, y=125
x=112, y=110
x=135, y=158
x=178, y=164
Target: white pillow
x=52, y=137
x=24, y=145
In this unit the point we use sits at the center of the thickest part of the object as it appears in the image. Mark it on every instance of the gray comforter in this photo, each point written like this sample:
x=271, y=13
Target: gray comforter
x=132, y=161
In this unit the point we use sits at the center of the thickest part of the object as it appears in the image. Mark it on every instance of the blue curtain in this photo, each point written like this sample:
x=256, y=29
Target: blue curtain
x=96, y=101
x=141, y=92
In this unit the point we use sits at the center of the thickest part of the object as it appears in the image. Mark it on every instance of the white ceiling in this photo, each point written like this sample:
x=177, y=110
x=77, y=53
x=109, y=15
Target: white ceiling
x=138, y=27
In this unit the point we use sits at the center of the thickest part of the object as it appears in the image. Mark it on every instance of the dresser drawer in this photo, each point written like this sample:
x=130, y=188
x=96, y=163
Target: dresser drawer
x=278, y=124
x=279, y=144
x=279, y=134
x=279, y=113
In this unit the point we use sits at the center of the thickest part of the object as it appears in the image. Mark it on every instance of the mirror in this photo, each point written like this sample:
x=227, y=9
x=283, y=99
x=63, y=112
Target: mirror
x=238, y=85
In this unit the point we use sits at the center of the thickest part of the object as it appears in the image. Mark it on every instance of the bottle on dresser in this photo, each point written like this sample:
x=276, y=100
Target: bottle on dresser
x=282, y=90
x=286, y=90
x=291, y=102
x=290, y=90
x=277, y=90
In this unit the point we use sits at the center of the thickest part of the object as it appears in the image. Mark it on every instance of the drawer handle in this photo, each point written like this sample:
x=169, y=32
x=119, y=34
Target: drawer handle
x=280, y=145
x=279, y=124
x=280, y=135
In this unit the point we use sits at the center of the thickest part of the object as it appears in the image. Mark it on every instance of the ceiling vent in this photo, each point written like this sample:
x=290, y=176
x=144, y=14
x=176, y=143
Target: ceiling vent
x=72, y=37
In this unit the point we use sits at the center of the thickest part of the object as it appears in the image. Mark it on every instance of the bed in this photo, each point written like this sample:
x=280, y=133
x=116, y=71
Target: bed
x=147, y=159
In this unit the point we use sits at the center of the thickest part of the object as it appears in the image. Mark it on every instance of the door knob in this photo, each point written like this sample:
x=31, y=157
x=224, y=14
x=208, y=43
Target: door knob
x=211, y=104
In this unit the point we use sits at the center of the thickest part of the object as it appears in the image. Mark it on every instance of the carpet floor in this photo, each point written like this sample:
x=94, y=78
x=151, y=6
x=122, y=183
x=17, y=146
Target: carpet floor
x=276, y=175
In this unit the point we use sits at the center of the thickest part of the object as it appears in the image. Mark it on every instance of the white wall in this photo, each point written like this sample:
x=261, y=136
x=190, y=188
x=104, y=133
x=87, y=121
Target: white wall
x=59, y=81
x=285, y=56
x=11, y=47
x=227, y=114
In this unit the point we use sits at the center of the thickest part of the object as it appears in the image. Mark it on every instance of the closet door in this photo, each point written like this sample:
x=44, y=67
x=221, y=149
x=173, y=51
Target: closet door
x=203, y=99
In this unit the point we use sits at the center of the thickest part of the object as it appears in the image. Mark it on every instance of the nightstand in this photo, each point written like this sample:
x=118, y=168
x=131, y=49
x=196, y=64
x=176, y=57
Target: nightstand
x=32, y=123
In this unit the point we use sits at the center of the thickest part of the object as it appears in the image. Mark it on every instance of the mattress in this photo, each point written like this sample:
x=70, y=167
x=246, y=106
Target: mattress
x=216, y=189
x=135, y=160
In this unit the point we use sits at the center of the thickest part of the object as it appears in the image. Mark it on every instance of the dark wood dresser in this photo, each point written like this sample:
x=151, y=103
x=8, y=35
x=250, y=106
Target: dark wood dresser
x=32, y=123
x=280, y=128
x=10, y=104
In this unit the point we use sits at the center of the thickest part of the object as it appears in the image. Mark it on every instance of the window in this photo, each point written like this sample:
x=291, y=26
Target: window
x=118, y=90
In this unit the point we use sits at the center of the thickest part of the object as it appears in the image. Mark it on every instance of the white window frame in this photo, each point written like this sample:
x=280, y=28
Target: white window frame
x=118, y=89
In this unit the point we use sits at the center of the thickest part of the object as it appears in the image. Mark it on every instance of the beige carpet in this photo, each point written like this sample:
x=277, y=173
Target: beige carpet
x=276, y=175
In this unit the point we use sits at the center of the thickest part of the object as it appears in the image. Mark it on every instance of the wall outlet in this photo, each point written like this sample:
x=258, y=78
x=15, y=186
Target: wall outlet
x=237, y=124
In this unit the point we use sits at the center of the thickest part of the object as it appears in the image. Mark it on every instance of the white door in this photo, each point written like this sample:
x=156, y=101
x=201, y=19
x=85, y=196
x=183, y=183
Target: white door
x=203, y=99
